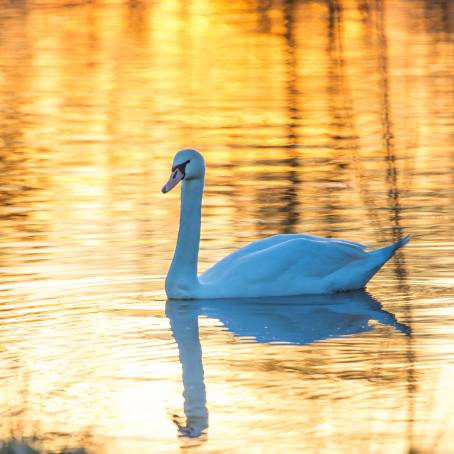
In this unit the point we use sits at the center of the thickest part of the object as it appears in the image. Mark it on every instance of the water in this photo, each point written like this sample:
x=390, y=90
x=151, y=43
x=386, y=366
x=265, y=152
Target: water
x=333, y=118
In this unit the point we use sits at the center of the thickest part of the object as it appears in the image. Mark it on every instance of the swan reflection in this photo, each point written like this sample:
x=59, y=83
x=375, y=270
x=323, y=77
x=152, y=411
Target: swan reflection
x=288, y=320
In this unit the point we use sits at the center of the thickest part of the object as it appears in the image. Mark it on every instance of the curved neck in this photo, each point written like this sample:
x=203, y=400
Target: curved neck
x=183, y=270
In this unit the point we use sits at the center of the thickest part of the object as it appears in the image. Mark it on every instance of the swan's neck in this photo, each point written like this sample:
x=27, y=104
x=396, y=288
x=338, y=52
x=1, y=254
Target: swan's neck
x=182, y=277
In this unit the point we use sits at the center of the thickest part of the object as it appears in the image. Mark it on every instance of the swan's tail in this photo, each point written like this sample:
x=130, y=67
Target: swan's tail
x=380, y=256
x=356, y=275
x=388, y=251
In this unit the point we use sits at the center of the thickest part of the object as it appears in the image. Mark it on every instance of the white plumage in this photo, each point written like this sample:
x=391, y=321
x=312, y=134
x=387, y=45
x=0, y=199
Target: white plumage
x=280, y=265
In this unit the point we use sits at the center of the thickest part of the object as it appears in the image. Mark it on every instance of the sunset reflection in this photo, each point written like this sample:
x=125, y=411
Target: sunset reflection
x=332, y=118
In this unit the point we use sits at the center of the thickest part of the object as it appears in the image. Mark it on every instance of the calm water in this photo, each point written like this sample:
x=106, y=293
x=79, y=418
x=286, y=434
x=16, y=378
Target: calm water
x=331, y=117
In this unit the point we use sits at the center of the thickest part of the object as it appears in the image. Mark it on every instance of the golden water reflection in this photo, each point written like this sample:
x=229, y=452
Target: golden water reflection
x=334, y=118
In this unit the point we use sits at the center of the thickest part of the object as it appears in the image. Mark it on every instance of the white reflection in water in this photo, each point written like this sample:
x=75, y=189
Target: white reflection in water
x=295, y=320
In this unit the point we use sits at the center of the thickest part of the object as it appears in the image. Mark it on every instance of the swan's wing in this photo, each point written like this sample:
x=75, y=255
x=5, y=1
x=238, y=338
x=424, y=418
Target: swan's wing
x=283, y=258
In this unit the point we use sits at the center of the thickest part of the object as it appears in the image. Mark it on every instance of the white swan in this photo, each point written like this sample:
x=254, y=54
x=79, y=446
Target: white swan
x=280, y=265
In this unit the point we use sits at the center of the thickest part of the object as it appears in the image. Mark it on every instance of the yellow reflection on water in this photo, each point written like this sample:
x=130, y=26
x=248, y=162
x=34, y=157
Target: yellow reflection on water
x=333, y=118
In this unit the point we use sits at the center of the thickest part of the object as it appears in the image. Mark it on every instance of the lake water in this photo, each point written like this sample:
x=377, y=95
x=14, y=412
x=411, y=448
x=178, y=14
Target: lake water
x=333, y=118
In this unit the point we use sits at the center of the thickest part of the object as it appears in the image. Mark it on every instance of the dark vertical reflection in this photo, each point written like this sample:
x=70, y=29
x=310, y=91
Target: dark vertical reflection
x=281, y=206
x=439, y=15
x=291, y=204
x=366, y=193
x=137, y=15
x=439, y=26
x=19, y=184
x=341, y=123
x=387, y=129
x=395, y=209
x=264, y=21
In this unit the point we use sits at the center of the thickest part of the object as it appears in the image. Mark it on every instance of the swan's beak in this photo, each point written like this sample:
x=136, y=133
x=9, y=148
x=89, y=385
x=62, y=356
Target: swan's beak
x=176, y=176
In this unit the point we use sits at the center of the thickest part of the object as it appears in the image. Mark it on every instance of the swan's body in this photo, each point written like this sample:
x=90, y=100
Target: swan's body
x=281, y=265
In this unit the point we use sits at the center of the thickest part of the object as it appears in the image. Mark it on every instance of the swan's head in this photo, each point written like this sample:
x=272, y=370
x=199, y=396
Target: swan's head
x=187, y=165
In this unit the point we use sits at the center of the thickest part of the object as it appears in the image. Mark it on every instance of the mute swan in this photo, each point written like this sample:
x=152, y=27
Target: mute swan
x=280, y=265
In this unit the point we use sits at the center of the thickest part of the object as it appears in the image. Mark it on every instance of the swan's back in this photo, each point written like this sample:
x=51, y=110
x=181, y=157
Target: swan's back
x=278, y=247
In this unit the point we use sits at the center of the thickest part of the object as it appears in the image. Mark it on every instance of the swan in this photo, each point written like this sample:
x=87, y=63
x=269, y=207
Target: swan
x=280, y=265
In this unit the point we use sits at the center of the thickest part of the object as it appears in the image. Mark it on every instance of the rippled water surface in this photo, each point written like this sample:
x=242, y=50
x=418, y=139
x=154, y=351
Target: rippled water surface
x=333, y=118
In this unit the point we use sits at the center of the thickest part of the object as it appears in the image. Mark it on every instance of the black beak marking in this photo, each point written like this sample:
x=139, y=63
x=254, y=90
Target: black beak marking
x=181, y=167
